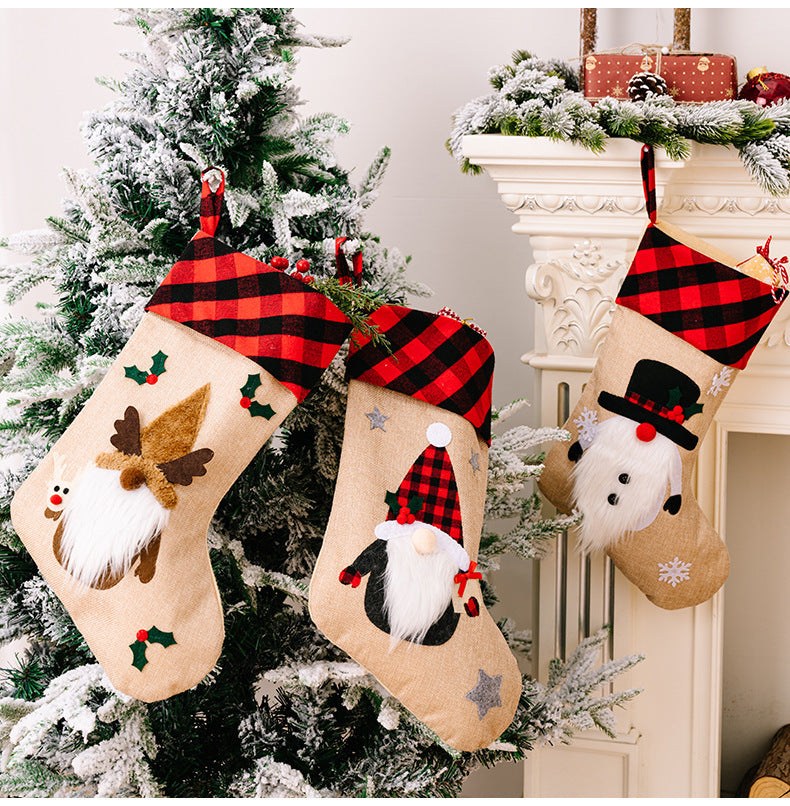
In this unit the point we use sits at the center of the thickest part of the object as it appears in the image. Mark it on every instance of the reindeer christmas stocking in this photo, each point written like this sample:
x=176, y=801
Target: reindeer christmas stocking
x=395, y=585
x=116, y=515
x=686, y=322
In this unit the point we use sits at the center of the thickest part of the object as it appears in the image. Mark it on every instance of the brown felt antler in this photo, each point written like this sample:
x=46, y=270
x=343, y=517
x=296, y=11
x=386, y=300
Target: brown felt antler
x=184, y=469
x=127, y=433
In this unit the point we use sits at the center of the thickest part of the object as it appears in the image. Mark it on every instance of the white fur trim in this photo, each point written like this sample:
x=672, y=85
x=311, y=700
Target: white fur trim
x=105, y=527
x=439, y=435
x=389, y=529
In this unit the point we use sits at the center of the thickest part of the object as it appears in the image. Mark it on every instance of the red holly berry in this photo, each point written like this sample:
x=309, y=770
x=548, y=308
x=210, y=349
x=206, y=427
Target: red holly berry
x=645, y=432
x=302, y=265
x=152, y=379
x=245, y=402
x=55, y=499
x=279, y=262
x=142, y=635
x=298, y=275
x=410, y=518
x=308, y=278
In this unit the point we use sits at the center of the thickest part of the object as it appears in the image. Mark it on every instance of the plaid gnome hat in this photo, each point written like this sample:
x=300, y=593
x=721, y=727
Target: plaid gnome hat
x=280, y=322
x=711, y=306
x=428, y=497
x=435, y=357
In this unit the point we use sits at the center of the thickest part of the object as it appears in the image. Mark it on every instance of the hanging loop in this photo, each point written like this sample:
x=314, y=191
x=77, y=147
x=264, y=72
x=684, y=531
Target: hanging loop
x=211, y=199
x=649, y=181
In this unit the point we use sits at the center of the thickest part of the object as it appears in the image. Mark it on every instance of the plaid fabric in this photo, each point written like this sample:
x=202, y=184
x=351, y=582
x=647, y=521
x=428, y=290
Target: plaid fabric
x=649, y=405
x=648, y=162
x=713, y=307
x=434, y=358
x=281, y=323
x=211, y=204
x=431, y=478
x=350, y=576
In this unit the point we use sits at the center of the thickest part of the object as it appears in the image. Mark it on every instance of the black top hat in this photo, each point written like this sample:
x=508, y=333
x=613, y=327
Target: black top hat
x=660, y=395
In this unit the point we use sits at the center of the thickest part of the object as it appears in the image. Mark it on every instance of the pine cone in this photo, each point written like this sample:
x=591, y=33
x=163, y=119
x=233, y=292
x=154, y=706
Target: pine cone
x=643, y=83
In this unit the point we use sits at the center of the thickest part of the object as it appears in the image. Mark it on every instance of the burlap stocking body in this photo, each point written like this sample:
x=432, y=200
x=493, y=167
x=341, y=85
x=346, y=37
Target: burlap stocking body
x=116, y=515
x=395, y=584
x=686, y=322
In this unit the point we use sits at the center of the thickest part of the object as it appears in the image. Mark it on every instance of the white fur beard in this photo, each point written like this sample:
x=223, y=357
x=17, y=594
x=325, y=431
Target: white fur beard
x=417, y=589
x=105, y=527
x=617, y=452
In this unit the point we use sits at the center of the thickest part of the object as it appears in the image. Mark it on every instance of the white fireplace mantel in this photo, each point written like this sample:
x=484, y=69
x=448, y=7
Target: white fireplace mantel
x=583, y=213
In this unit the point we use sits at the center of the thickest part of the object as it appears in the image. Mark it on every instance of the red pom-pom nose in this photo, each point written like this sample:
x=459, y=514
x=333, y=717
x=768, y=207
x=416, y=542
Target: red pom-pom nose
x=55, y=499
x=646, y=432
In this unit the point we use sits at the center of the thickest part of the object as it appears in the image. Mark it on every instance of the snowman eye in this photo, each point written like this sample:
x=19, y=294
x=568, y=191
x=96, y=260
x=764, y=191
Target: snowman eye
x=56, y=488
x=624, y=478
x=613, y=499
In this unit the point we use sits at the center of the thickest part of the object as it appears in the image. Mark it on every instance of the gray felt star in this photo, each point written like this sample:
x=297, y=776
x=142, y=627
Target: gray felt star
x=475, y=462
x=376, y=419
x=485, y=695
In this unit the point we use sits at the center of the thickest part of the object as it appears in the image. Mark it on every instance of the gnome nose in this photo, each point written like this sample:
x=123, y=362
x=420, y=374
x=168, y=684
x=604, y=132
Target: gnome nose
x=132, y=478
x=423, y=540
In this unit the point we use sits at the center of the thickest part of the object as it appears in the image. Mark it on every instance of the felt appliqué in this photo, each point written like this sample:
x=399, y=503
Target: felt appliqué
x=144, y=638
x=150, y=377
x=253, y=407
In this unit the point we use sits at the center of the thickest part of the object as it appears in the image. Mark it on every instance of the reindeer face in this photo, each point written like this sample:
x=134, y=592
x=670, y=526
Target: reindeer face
x=58, y=490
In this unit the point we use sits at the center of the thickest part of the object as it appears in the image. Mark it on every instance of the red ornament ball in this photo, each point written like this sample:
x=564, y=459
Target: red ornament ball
x=245, y=402
x=152, y=379
x=764, y=88
x=303, y=265
x=142, y=635
x=645, y=432
x=279, y=262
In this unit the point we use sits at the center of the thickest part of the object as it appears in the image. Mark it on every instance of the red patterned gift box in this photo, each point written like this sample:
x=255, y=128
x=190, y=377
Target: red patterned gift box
x=690, y=77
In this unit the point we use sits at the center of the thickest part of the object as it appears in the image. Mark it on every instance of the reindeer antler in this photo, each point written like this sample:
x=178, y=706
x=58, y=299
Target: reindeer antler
x=127, y=433
x=185, y=468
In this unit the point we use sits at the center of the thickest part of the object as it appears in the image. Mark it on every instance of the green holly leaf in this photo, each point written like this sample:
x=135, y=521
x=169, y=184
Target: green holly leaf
x=674, y=397
x=158, y=365
x=416, y=504
x=690, y=411
x=138, y=651
x=261, y=410
x=253, y=382
x=135, y=374
x=392, y=502
x=159, y=637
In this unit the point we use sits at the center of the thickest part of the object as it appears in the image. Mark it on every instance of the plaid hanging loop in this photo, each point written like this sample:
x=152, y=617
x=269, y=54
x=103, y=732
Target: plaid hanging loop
x=345, y=274
x=211, y=200
x=648, y=161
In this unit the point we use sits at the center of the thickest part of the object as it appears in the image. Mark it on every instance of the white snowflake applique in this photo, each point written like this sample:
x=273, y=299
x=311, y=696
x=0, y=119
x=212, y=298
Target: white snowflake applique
x=673, y=572
x=721, y=380
x=586, y=426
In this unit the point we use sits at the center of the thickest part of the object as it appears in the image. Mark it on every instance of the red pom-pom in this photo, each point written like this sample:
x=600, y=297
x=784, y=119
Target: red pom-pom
x=152, y=379
x=302, y=265
x=279, y=262
x=245, y=402
x=142, y=635
x=55, y=499
x=646, y=432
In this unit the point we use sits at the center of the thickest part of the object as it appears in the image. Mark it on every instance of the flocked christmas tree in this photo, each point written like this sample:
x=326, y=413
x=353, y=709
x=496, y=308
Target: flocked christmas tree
x=283, y=712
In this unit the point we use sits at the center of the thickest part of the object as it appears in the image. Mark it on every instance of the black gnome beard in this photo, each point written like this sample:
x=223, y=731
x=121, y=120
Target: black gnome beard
x=105, y=527
x=620, y=482
x=418, y=588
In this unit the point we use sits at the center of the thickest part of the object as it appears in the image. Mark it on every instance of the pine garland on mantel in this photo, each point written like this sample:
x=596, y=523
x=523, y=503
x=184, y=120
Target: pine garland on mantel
x=540, y=98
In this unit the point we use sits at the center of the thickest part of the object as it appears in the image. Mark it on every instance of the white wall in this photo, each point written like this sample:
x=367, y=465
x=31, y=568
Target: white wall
x=398, y=81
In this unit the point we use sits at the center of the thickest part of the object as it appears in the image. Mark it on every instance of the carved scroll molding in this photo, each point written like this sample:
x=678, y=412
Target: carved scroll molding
x=576, y=289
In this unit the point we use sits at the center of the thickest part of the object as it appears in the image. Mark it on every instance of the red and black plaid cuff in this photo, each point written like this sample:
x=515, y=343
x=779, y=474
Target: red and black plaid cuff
x=713, y=307
x=434, y=358
x=290, y=329
x=350, y=576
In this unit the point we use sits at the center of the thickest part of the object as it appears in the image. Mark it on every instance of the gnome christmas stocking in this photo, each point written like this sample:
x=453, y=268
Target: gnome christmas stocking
x=116, y=515
x=686, y=321
x=395, y=585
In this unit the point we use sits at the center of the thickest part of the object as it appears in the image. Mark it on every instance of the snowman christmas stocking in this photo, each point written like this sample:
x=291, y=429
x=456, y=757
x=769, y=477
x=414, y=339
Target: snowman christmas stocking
x=395, y=585
x=686, y=321
x=116, y=515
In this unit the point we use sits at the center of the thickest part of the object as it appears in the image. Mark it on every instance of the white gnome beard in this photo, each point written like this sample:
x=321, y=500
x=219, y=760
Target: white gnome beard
x=616, y=452
x=105, y=527
x=417, y=588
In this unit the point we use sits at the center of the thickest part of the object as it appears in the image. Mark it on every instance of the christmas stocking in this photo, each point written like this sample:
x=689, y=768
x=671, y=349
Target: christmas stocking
x=686, y=321
x=116, y=515
x=395, y=585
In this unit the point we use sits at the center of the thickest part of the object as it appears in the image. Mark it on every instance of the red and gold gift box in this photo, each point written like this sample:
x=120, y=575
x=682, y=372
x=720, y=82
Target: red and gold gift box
x=690, y=77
